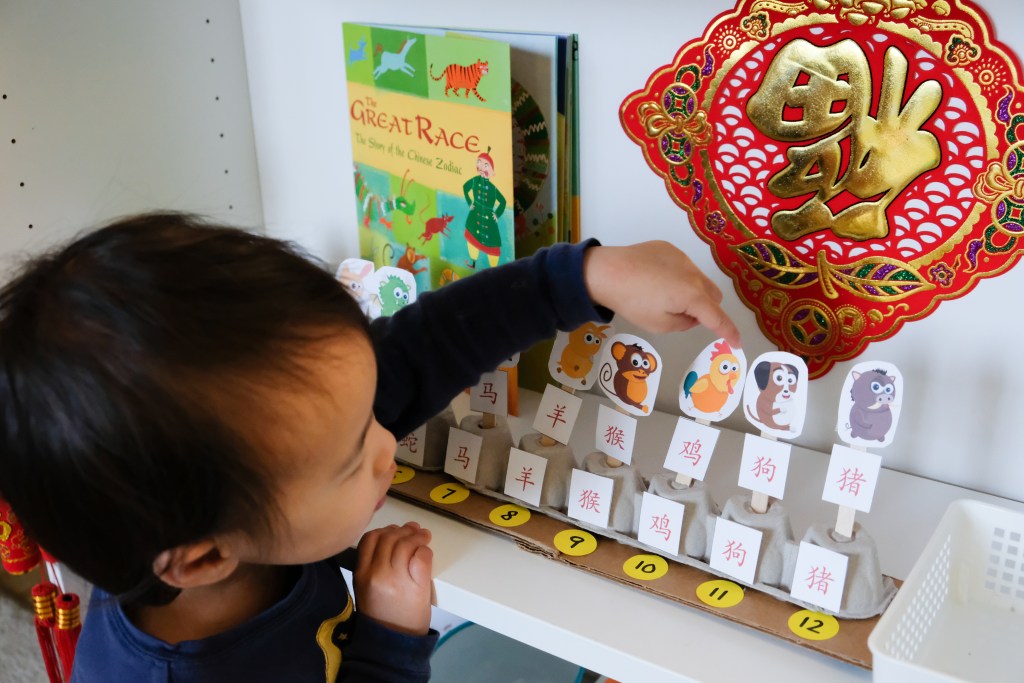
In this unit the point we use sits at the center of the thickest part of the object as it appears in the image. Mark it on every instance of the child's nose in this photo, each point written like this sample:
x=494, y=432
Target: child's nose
x=386, y=456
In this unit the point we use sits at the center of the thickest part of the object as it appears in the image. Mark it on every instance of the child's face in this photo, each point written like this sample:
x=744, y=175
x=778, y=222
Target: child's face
x=332, y=461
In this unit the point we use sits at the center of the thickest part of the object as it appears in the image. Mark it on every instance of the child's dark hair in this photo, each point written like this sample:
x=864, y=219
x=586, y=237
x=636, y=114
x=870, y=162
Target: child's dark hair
x=117, y=351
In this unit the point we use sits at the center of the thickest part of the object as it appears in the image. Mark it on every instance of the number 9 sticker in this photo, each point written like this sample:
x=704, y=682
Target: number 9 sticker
x=575, y=542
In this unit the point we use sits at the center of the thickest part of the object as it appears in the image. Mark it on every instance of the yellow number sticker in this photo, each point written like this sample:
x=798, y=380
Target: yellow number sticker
x=402, y=475
x=645, y=567
x=811, y=625
x=720, y=593
x=449, y=494
x=575, y=542
x=509, y=515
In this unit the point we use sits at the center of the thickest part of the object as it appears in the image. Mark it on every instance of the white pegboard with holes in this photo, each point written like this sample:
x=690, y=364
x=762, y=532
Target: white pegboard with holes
x=960, y=614
x=112, y=107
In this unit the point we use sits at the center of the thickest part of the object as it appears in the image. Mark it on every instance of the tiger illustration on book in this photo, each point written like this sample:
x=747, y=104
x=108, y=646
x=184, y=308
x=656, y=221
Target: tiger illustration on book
x=459, y=76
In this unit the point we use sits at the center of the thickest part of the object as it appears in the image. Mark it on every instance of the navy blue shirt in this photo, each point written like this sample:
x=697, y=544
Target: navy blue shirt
x=426, y=354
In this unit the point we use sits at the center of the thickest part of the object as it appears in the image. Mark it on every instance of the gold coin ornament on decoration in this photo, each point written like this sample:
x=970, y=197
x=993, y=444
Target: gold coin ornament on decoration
x=850, y=163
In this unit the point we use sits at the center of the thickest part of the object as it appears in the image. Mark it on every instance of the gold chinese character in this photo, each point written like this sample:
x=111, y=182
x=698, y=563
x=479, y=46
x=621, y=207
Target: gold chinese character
x=809, y=92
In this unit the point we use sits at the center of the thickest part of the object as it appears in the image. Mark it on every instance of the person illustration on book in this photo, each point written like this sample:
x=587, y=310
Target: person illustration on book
x=482, y=233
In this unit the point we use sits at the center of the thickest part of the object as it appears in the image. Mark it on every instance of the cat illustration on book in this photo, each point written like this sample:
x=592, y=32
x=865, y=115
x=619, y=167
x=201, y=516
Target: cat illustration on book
x=458, y=76
x=486, y=204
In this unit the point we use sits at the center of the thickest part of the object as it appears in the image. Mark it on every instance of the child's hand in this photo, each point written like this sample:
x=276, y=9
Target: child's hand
x=657, y=287
x=392, y=578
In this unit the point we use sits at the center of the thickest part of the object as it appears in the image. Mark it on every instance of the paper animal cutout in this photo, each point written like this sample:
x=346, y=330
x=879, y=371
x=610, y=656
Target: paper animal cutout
x=711, y=387
x=630, y=370
x=775, y=396
x=394, y=289
x=573, y=355
x=354, y=274
x=869, y=404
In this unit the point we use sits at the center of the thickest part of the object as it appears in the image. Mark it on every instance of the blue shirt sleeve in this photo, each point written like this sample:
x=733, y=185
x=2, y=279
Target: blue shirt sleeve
x=379, y=654
x=431, y=350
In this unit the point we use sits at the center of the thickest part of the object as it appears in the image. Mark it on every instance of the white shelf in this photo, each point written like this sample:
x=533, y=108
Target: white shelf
x=630, y=635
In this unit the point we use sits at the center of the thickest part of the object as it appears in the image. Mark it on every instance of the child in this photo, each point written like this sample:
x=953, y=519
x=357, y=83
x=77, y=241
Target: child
x=196, y=419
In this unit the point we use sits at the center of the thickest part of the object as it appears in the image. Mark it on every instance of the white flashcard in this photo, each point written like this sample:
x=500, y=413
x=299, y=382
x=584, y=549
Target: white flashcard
x=410, y=448
x=869, y=404
x=524, y=477
x=557, y=413
x=510, y=362
x=691, y=449
x=590, y=497
x=661, y=523
x=852, y=478
x=462, y=456
x=819, y=577
x=393, y=289
x=615, y=433
x=764, y=465
x=735, y=549
x=630, y=370
x=573, y=359
x=712, y=385
x=354, y=274
x=775, y=394
x=490, y=395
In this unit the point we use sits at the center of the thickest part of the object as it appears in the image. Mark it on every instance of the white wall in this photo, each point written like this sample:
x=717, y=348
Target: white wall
x=116, y=107
x=958, y=422
x=113, y=106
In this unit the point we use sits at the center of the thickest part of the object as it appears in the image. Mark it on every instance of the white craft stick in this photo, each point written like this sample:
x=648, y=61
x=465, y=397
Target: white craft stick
x=844, y=521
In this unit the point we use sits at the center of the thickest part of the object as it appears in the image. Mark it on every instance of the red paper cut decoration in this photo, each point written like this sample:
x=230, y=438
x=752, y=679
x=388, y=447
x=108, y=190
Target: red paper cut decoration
x=851, y=164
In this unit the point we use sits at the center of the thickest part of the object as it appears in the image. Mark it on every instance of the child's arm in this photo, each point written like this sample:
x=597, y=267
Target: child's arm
x=656, y=286
x=431, y=350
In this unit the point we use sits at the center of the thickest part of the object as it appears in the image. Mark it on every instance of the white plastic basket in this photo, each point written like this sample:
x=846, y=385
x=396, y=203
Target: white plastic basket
x=960, y=614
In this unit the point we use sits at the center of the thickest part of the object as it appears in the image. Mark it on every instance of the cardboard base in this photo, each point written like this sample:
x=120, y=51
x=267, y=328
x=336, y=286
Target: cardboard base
x=680, y=583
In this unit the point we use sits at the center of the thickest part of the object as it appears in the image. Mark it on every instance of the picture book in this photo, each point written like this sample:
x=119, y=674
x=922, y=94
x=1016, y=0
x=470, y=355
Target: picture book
x=461, y=144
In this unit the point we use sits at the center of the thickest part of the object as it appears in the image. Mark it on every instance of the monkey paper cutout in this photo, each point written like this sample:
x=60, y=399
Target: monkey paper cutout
x=574, y=354
x=775, y=396
x=393, y=289
x=869, y=404
x=354, y=274
x=630, y=370
x=711, y=387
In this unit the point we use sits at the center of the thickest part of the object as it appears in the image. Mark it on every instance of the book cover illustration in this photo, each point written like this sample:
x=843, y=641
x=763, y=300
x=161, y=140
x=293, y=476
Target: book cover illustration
x=431, y=130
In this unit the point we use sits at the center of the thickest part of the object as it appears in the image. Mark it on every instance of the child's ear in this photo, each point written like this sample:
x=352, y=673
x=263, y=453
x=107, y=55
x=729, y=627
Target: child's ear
x=195, y=564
